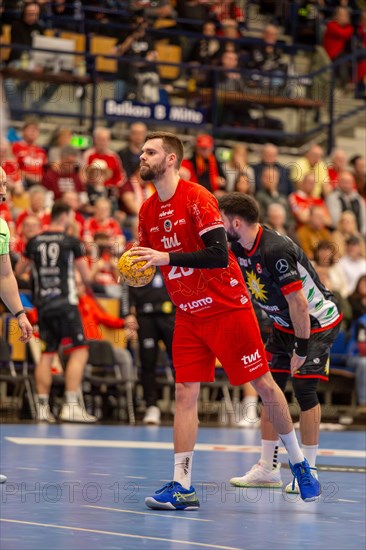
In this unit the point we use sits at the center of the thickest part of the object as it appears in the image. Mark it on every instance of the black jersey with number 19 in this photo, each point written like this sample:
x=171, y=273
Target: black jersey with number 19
x=53, y=254
x=275, y=267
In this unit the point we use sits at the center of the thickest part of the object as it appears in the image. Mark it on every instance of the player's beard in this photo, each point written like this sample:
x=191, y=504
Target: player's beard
x=232, y=235
x=152, y=173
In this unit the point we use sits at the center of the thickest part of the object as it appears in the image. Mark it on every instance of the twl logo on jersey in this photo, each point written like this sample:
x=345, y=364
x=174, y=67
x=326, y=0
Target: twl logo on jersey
x=170, y=242
x=254, y=360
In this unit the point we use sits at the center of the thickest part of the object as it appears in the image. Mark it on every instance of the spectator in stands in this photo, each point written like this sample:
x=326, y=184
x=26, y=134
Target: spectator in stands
x=102, y=222
x=269, y=158
x=268, y=57
x=227, y=9
x=76, y=202
x=136, y=44
x=193, y=10
x=302, y=201
x=242, y=185
x=96, y=174
x=31, y=158
x=63, y=13
x=64, y=175
x=359, y=173
x=312, y=162
x=328, y=269
x=277, y=220
x=336, y=41
x=269, y=193
x=30, y=227
x=361, y=66
x=155, y=316
x=237, y=166
x=104, y=271
x=19, y=197
x=353, y=263
x=206, y=49
x=203, y=167
x=314, y=231
x=345, y=197
x=93, y=316
x=230, y=34
x=309, y=19
x=37, y=206
x=338, y=165
x=22, y=34
x=357, y=299
x=231, y=80
x=102, y=151
x=130, y=155
x=59, y=139
x=346, y=228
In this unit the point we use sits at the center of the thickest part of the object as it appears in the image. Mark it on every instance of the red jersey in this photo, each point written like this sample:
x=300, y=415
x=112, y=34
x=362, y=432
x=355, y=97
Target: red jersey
x=110, y=227
x=31, y=158
x=11, y=169
x=113, y=162
x=177, y=225
x=299, y=201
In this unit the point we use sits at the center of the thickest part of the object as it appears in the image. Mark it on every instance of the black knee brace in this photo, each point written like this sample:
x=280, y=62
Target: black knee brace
x=305, y=392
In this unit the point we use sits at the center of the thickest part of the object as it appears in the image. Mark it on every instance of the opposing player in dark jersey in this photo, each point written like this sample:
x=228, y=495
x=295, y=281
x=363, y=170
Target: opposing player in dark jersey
x=305, y=319
x=181, y=230
x=53, y=257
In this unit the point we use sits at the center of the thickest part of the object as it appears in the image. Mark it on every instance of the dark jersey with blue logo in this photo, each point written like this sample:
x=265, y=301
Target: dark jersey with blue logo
x=275, y=267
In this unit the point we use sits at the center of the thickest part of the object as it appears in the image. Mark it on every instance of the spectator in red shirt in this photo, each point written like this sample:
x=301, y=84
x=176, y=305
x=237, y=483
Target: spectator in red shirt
x=37, y=205
x=102, y=151
x=203, y=167
x=73, y=199
x=336, y=40
x=102, y=222
x=93, y=315
x=227, y=9
x=64, y=175
x=302, y=201
x=30, y=157
x=338, y=165
x=30, y=227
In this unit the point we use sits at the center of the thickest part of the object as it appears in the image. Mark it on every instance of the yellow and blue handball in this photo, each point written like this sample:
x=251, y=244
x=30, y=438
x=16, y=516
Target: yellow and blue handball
x=131, y=273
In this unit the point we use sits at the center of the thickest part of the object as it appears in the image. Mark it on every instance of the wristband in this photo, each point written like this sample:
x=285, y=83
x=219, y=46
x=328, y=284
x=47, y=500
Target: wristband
x=301, y=346
x=19, y=313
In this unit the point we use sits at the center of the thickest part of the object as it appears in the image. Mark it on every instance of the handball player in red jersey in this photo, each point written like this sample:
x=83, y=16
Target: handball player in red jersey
x=180, y=229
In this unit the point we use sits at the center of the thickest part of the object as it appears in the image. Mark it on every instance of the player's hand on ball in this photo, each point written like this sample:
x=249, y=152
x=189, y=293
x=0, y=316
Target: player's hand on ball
x=150, y=256
x=131, y=271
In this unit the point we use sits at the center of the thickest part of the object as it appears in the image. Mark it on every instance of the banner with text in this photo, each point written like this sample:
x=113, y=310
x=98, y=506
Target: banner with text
x=158, y=112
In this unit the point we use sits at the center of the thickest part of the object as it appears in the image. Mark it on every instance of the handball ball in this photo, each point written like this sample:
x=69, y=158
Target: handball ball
x=130, y=272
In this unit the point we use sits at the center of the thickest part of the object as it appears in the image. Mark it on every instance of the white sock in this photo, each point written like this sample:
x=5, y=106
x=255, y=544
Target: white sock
x=269, y=453
x=292, y=447
x=310, y=452
x=43, y=398
x=71, y=397
x=183, y=468
x=249, y=405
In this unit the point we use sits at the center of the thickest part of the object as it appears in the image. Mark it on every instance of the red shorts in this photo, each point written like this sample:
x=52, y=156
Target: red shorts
x=233, y=338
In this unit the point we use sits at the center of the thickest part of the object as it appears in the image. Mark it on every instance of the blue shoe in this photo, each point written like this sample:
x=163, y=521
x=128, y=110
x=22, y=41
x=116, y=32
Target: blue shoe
x=308, y=483
x=173, y=497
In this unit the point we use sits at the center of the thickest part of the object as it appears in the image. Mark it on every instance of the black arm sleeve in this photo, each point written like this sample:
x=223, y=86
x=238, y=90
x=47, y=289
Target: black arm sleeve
x=215, y=254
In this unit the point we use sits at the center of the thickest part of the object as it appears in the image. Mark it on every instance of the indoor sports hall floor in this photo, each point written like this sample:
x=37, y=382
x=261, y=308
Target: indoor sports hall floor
x=83, y=487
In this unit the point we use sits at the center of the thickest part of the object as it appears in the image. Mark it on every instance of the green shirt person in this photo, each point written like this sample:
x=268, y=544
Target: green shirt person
x=9, y=292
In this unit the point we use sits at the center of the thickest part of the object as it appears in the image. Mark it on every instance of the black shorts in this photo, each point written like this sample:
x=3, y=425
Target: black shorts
x=61, y=328
x=280, y=346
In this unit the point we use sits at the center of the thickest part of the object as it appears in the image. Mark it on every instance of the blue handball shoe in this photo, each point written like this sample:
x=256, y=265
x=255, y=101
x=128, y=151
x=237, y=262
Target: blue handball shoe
x=173, y=497
x=308, y=483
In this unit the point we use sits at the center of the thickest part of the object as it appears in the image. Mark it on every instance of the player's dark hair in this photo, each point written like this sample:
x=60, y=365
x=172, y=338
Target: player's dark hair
x=171, y=144
x=58, y=209
x=240, y=205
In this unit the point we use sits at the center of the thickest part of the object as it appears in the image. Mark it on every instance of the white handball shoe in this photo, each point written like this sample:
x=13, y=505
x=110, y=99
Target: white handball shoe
x=259, y=476
x=152, y=416
x=3, y=478
x=73, y=412
x=44, y=413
